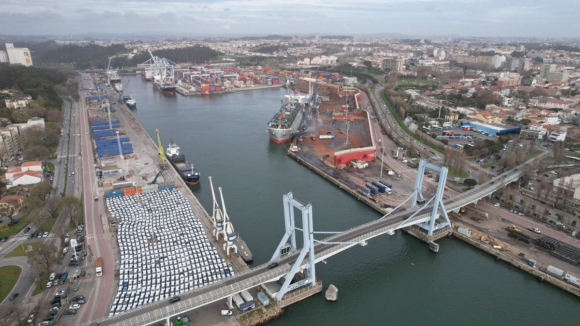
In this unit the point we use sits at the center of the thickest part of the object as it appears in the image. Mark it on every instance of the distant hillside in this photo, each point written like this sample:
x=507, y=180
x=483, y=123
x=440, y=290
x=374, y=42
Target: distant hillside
x=39, y=83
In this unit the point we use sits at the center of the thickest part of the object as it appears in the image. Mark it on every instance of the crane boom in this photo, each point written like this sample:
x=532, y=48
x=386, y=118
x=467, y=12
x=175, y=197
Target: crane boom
x=160, y=145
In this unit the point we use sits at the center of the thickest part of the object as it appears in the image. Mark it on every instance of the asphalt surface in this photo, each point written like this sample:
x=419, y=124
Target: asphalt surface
x=96, y=228
x=22, y=287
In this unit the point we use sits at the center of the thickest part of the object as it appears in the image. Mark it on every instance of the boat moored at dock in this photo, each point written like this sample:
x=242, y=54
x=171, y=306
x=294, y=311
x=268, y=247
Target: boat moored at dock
x=286, y=122
x=185, y=169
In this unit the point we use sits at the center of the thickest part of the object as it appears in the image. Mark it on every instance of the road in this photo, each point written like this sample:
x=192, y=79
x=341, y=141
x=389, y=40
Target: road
x=22, y=287
x=529, y=223
x=96, y=227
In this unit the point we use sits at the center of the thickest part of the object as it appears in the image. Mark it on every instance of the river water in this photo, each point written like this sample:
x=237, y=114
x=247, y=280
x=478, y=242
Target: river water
x=394, y=280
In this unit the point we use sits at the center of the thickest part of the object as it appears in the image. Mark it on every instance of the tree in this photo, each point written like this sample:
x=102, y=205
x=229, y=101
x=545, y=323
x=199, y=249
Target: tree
x=31, y=203
x=44, y=257
x=70, y=208
x=470, y=182
x=368, y=64
x=40, y=190
x=51, y=206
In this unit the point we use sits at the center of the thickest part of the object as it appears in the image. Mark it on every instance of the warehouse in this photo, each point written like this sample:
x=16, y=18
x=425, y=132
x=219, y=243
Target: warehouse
x=491, y=129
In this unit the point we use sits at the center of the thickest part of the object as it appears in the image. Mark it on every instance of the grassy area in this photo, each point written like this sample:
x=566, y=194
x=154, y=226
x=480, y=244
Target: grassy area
x=48, y=225
x=21, y=250
x=405, y=129
x=50, y=166
x=41, y=286
x=533, y=154
x=457, y=173
x=547, y=159
x=9, y=276
x=488, y=165
x=6, y=231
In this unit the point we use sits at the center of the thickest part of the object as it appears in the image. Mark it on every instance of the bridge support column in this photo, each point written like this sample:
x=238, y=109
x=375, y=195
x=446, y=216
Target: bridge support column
x=429, y=226
x=418, y=185
x=307, y=248
x=229, y=302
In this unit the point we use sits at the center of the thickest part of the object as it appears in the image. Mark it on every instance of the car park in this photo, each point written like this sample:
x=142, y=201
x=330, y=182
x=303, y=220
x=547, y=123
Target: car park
x=186, y=246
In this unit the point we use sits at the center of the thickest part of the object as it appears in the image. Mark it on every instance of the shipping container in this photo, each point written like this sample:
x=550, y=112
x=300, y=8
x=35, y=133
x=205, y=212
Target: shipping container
x=121, y=185
x=386, y=184
x=555, y=271
x=247, y=306
x=246, y=296
x=572, y=279
x=263, y=298
x=149, y=188
x=237, y=300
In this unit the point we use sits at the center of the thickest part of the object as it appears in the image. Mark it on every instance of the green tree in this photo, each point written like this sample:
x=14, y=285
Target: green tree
x=70, y=206
x=470, y=182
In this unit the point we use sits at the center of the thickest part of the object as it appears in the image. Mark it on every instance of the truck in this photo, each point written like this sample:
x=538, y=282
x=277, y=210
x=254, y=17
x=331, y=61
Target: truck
x=99, y=269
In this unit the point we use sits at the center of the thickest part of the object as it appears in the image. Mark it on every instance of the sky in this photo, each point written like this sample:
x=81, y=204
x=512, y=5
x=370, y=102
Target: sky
x=481, y=18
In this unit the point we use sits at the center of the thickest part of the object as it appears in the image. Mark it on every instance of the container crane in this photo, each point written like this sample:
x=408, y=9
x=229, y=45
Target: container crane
x=162, y=162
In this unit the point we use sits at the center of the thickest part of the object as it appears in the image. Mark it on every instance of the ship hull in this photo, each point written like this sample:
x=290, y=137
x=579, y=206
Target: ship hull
x=280, y=136
x=189, y=178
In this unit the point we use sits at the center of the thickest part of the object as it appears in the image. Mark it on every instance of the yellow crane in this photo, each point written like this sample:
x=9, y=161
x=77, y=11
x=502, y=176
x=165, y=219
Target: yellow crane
x=161, y=154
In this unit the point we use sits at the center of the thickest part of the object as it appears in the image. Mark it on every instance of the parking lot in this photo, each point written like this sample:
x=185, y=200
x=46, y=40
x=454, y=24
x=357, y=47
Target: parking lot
x=164, y=250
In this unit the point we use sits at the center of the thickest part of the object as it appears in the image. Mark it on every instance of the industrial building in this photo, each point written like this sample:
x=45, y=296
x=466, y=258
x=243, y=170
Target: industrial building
x=19, y=56
x=491, y=129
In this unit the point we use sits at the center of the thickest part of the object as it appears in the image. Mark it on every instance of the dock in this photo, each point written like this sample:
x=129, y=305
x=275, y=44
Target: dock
x=185, y=92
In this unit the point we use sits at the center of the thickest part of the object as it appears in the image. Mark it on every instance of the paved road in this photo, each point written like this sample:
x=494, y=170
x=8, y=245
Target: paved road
x=23, y=286
x=529, y=223
x=98, y=236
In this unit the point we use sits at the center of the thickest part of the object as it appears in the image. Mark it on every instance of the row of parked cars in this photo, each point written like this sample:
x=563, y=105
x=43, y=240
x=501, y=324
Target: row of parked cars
x=57, y=306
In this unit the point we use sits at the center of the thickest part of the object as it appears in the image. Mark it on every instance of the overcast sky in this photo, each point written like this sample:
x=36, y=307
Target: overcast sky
x=528, y=18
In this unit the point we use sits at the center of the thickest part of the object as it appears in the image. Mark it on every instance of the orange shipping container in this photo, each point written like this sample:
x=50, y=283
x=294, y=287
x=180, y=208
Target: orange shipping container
x=139, y=190
x=129, y=191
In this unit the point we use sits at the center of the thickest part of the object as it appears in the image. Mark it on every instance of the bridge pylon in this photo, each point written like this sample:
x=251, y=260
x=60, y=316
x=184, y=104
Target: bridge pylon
x=418, y=198
x=307, y=249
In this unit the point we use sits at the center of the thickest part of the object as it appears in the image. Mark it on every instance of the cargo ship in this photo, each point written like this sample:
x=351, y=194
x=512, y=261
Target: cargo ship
x=285, y=123
x=131, y=103
x=185, y=169
x=166, y=87
x=147, y=75
x=115, y=81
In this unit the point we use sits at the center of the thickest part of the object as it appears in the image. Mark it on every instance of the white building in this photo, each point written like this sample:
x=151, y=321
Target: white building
x=553, y=119
x=497, y=61
x=26, y=174
x=350, y=80
x=557, y=136
x=18, y=55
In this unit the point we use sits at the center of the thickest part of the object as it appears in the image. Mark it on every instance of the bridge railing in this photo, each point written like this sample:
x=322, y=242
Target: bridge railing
x=222, y=291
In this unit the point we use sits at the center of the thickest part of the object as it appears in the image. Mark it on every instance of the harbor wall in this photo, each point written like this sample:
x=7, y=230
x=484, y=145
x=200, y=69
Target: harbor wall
x=512, y=259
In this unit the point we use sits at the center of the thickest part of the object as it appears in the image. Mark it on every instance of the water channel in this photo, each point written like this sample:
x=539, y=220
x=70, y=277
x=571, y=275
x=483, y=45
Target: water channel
x=394, y=280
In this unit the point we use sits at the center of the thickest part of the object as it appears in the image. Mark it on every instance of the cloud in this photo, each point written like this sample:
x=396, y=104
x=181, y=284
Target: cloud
x=459, y=17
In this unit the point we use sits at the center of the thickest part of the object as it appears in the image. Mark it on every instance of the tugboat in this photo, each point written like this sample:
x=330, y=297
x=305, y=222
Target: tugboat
x=131, y=103
x=185, y=169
